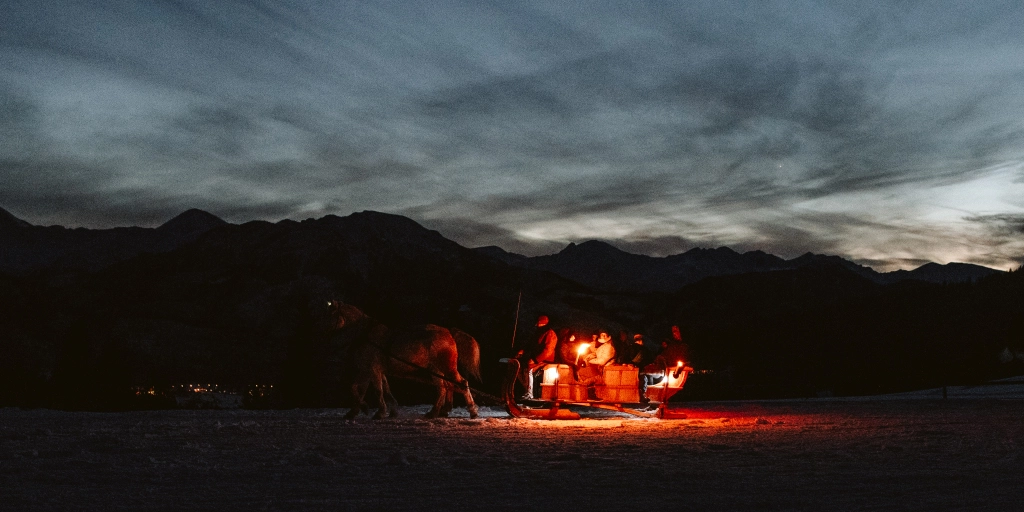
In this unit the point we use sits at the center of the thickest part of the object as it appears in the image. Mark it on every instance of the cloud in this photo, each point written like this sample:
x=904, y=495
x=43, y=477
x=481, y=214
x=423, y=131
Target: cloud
x=17, y=111
x=696, y=123
x=890, y=264
x=73, y=193
x=1006, y=224
x=735, y=116
x=79, y=193
x=659, y=246
x=470, y=233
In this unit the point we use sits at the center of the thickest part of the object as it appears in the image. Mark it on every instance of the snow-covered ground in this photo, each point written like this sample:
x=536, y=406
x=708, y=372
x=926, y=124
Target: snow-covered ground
x=900, y=452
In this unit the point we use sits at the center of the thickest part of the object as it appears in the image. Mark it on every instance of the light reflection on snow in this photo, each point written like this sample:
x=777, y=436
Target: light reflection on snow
x=596, y=419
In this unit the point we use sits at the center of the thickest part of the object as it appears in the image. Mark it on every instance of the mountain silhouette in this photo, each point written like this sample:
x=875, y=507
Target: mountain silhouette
x=602, y=266
x=228, y=306
x=948, y=273
x=225, y=303
x=508, y=258
x=190, y=222
x=26, y=248
x=10, y=222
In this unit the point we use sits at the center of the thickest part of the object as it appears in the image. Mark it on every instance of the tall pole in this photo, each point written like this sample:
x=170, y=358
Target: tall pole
x=516, y=326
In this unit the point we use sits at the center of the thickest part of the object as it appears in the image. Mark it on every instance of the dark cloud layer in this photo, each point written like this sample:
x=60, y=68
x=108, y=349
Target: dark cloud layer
x=1004, y=224
x=885, y=132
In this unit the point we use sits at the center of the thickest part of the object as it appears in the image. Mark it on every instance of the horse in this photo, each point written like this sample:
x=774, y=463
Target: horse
x=468, y=366
x=469, y=362
x=469, y=353
x=426, y=353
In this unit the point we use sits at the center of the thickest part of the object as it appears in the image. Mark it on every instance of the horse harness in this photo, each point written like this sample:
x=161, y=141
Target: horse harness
x=427, y=371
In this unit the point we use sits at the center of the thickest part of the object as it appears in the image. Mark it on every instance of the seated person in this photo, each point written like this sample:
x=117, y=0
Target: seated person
x=603, y=353
x=635, y=354
x=567, y=346
x=596, y=358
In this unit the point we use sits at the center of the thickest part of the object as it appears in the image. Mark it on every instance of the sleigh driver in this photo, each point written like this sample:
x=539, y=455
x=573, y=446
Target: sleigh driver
x=537, y=354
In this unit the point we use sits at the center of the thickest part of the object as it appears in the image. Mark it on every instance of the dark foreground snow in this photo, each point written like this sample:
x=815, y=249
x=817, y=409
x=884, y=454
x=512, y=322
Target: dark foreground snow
x=912, y=454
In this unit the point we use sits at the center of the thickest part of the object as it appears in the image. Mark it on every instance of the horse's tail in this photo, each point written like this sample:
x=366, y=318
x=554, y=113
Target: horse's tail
x=469, y=354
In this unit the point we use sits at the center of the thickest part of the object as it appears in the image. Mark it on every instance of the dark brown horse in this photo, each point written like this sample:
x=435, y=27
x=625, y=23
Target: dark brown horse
x=427, y=353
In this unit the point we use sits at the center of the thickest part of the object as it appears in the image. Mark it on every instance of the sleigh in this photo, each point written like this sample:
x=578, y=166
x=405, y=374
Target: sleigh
x=614, y=387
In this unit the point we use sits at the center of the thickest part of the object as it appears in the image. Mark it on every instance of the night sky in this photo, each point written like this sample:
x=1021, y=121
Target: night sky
x=890, y=133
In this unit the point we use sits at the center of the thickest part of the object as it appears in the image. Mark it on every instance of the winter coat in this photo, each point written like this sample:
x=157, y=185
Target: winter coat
x=546, y=344
x=602, y=355
x=634, y=354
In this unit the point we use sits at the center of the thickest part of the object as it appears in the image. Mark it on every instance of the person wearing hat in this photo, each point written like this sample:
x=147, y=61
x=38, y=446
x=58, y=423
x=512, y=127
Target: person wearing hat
x=547, y=340
x=538, y=354
x=601, y=354
x=634, y=353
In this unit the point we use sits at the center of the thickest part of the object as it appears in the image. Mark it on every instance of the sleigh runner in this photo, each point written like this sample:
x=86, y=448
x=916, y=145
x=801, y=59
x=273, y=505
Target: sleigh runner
x=616, y=387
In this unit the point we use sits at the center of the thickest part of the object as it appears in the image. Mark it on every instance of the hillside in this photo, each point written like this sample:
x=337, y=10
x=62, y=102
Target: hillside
x=226, y=304
x=228, y=307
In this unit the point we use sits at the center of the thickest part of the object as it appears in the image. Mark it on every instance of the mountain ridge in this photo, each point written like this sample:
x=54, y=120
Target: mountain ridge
x=27, y=248
x=8, y=220
x=232, y=306
x=594, y=263
x=603, y=266
x=191, y=220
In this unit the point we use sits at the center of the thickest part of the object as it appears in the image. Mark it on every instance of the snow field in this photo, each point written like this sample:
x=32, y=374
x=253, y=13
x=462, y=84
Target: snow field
x=918, y=454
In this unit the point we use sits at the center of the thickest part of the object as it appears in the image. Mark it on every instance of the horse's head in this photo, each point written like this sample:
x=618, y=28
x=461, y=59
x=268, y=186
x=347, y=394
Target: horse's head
x=332, y=315
x=325, y=315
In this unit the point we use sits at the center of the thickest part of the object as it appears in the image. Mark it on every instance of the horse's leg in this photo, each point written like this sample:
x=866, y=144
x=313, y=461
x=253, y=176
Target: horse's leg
x=363, y=390
x=448, y=402
x=358, y=391
x=380, y=388
x=446, y=406
x=439, y=402
x=463, y=387
x=389, y=398
x=443, y=398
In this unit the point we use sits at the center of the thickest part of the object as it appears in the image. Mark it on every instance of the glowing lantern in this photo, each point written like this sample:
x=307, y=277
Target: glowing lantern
x=674, y=377
x=579, y=352
x=551, y=374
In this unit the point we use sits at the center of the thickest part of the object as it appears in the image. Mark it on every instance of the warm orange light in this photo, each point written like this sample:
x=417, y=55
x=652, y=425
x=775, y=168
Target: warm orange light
x=677, y=374
x=551, y=375
x=579, y=352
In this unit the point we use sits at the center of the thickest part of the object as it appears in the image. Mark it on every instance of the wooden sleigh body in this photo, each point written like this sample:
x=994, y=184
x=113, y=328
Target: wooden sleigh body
x=616, y=388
